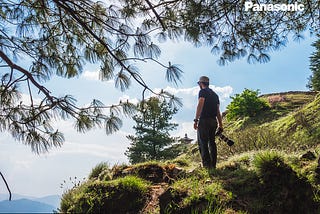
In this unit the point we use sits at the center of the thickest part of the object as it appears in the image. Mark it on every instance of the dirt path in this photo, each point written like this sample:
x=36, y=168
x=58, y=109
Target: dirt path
x=153, y=204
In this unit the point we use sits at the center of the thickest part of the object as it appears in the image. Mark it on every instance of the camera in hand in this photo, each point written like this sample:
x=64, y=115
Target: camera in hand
x=223, y=137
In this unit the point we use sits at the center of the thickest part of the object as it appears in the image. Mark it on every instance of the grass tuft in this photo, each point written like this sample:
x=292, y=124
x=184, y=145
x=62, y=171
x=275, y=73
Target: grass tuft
x=101, y=171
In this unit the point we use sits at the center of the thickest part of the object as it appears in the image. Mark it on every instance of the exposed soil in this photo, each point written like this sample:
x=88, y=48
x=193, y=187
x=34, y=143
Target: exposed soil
x=153, y=204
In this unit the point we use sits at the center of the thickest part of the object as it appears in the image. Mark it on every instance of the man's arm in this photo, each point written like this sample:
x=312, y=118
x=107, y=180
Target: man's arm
x=219, y=117
x=198, y=112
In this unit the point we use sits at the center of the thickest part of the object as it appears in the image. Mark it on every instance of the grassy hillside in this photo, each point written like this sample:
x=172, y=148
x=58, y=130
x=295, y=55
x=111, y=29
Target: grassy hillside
x=291, y=124
x=272, y=168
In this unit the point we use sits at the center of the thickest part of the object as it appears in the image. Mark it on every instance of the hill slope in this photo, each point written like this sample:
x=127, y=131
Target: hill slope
x=272, y=168
x=291, y=124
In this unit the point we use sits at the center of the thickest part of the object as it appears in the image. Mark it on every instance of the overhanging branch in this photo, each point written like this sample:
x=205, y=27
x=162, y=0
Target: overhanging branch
x=156, y=14
x=101, y=41
x=27, y=73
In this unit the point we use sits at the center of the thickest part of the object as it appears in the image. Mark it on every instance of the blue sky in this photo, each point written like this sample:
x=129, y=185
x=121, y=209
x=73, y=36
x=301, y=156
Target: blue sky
x=40, y=175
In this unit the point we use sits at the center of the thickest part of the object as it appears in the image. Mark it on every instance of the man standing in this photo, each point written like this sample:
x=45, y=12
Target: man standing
x=208, y=117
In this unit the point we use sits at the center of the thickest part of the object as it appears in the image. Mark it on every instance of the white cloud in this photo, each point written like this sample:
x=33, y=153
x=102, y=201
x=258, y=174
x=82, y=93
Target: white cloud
x=222, y=91
x=93, y=75
x=186, y=128
x=184, y=91
x=189, y=95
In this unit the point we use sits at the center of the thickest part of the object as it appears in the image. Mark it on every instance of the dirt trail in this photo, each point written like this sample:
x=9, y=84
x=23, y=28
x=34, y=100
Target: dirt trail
x=153, y=205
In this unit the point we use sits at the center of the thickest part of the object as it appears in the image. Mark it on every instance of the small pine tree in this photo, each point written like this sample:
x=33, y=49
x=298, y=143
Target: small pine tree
x=314, y=79
x=246, y=104
x=152, y=140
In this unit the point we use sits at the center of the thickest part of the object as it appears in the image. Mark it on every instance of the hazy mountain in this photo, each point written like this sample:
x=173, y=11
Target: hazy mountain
x=4, y=197
x=25, y=206
x=53, y=200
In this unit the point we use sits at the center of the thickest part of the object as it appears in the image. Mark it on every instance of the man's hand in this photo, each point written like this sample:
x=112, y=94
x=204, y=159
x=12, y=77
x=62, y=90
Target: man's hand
x=195, y=125
x=198, y=112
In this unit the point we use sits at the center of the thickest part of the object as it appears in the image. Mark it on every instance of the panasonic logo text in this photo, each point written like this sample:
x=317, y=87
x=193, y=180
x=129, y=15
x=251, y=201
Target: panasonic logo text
x=273, y=7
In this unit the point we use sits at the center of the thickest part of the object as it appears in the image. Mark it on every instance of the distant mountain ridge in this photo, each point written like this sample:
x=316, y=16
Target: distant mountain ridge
x=22, y=203
x=25, y=206
x=53, y=200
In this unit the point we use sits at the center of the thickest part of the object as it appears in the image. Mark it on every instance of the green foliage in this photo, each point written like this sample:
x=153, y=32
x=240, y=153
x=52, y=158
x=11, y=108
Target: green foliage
x=67, y=201
x=314, y=79
x=196, y=193
x=267, y=180
x=152, y=140
x=102, y=196
x=301, y=126
x=286, y=188
x=204, y=23
x=132, y=183
x=264, y=181
x=246, y=104
x=255, y=138
x=57, y=38
x=266, y=161
x=291, y=128
x=101, y=172
x=201, y=191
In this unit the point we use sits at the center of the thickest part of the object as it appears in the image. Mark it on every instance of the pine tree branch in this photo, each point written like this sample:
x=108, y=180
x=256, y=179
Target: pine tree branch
x=102, y=42
x=156, y=14
x=45, y=91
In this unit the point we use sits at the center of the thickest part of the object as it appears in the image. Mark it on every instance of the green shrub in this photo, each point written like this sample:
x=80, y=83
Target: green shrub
x=66, y=202
x=123, y=195
x=283, y=190
x=246, y=104
x=131, y=183
x=267, y=161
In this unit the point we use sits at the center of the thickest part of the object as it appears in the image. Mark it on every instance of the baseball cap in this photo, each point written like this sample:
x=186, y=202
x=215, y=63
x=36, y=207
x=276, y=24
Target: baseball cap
x=203, y=79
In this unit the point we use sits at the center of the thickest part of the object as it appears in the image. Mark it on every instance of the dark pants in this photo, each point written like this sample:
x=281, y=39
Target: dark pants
x=206, y=141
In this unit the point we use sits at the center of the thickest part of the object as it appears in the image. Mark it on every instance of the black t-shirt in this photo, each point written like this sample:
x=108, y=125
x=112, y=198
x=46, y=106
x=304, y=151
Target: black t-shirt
x=211, y=101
